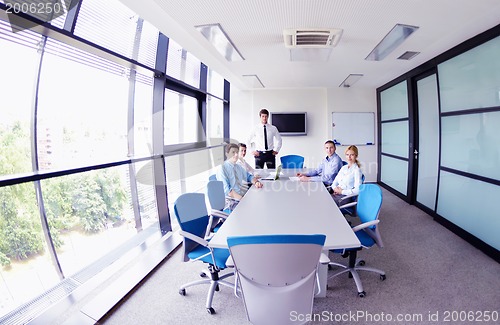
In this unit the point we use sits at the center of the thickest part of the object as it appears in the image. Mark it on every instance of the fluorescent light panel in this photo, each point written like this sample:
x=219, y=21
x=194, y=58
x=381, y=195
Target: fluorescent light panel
x=253, y=80
x=351, y=80
x=393, y=39
x=219, y=39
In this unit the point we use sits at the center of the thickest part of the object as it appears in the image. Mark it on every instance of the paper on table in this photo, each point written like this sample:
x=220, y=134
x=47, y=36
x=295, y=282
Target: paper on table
x=294, y=178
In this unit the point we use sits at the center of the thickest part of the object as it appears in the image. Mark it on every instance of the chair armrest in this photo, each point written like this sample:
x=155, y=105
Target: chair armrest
x=219, y=214
x=194, y=238
x=347, y=197
x=365, y=225
x=348, y=205
x=232, y=198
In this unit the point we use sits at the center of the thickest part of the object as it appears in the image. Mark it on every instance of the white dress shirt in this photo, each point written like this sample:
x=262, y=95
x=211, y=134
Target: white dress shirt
x=243, y=163
x=256, y=139
x=348, y=179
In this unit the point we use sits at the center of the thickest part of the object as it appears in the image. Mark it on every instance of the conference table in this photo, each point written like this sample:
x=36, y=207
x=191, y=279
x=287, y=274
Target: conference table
x=286, y=206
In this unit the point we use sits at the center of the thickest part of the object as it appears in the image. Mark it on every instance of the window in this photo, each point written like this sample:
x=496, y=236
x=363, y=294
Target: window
x=25, y=264
x=109, y=24
x=19, y=54
x=82, y=122
x=215, y=120
x=215, y=84
x=182, y=65
x=143, y=101
x=182, y=121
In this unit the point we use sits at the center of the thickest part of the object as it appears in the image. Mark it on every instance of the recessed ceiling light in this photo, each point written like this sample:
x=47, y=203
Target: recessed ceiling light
x=253, y=80
x=351, y=80
x=392, y=40
x=219, y=39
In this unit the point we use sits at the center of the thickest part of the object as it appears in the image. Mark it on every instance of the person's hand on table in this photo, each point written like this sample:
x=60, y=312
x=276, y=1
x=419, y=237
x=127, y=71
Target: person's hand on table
x=258, y=184
x=337, y=190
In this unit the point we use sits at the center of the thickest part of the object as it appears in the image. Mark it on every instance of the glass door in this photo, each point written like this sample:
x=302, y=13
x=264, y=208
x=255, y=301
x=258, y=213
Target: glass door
x=426, y=150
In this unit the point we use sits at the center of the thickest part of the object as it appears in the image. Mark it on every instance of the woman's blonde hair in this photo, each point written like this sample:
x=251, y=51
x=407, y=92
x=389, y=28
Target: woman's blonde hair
x=355, y=150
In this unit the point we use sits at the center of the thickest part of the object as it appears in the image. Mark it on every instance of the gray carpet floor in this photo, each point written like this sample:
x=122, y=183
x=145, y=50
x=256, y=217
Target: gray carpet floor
x=432, y=276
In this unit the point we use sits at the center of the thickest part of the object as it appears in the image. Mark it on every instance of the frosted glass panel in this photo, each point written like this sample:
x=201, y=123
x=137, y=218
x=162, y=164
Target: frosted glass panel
x=428, y=125
x=471, y=143
x=394, y=102
x=394, y=172
x=457, y=204
x=395, y=138
x=472, y=79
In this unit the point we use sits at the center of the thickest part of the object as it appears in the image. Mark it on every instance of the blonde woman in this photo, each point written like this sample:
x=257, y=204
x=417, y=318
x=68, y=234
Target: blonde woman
x=349, y=178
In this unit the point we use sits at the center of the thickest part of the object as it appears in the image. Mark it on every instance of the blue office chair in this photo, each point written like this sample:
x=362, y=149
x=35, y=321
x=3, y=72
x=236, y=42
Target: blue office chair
x=292, y=161
x=191, y=213
x=347, y=204
x=276, y=274
x=217, y=200
x=368, y=208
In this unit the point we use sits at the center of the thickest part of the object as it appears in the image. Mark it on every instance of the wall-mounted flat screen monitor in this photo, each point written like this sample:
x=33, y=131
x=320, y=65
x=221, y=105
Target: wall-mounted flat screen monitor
x=290, y=123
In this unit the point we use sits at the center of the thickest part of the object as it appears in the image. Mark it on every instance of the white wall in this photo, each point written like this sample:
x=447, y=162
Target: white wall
x=319, y=103
x=356, y=100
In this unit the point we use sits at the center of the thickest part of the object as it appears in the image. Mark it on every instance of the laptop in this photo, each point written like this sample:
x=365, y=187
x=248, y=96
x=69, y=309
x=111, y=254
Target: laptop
x=274, y=177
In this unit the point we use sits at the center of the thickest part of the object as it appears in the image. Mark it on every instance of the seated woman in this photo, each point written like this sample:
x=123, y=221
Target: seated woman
x=349, y=178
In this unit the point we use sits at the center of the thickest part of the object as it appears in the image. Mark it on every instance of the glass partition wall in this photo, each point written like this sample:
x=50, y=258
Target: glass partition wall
x=440, y=142
x=78, y=170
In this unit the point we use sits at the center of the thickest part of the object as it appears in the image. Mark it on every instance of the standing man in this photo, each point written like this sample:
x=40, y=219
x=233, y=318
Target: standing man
x=327, y=169
x=266, y=141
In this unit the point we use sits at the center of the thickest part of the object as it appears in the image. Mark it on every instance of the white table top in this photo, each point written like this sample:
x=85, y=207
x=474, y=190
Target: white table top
x=288, y=207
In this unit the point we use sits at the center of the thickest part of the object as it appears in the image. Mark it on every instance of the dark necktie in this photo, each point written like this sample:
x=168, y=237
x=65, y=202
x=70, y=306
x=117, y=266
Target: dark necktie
x=265, y=137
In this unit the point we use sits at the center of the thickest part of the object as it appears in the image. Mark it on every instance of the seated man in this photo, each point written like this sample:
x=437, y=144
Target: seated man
x=241, y=159
x=327, y=169
x=234, y=177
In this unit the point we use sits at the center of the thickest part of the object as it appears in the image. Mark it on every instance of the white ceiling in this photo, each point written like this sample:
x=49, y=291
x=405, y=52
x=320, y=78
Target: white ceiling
x=256, y=28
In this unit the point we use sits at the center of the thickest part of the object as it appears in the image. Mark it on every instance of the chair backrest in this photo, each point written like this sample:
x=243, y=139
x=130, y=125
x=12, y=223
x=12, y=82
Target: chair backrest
x=368, y=208
x=216, y=196
x=277, y=274
x=191, y=213
x=292, y=161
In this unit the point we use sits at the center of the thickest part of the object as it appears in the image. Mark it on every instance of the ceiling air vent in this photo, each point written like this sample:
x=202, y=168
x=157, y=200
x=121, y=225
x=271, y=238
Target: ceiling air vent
x=312, y=38
x=408, y=55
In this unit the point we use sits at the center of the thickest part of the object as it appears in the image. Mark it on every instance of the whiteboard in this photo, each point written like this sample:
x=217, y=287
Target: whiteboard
x=353, y=128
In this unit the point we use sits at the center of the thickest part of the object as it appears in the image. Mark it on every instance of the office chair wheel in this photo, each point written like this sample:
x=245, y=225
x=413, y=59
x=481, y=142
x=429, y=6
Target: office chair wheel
x=361, y=294
x=211, y=311
x=203, y=274
x=382, y=277
x=361, y=262
x=182, y=292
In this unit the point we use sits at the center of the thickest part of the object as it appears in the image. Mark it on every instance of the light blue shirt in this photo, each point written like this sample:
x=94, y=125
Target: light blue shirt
x=327, y=169
x=348, y=179
x=234, y=177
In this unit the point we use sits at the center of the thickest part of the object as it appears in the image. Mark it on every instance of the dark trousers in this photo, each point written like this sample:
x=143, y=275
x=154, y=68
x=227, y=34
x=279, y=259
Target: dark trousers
x=265, y=157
